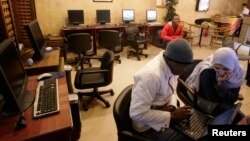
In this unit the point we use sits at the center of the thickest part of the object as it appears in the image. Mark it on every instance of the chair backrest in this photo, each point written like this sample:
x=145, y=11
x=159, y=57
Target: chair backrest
x=110, y=39
x=107, y=63
x=181, y=90
x=79, y=42
x=121, y=110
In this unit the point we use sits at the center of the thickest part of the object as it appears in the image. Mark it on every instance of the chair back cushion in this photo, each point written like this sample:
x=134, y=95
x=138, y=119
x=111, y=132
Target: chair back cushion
x=181, y=90
x=121, y=110
x=79, y=42
x=107, y=63
x=110, y=39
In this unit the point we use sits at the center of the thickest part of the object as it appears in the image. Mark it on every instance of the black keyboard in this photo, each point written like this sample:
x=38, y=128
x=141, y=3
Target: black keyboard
x=47, y=98
x=195, y=126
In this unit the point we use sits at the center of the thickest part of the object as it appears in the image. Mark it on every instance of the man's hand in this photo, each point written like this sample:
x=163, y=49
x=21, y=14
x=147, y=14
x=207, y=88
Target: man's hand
x=181, y=113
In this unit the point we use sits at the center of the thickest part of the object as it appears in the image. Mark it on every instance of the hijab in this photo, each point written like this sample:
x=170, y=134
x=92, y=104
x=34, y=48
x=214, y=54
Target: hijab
x=224, y=56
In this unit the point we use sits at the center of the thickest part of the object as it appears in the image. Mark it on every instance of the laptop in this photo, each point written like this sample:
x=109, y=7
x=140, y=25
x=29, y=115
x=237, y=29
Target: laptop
x=196, y=126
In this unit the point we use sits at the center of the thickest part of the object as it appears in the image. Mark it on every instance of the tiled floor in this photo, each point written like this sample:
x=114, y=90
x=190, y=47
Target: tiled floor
x=98, y=123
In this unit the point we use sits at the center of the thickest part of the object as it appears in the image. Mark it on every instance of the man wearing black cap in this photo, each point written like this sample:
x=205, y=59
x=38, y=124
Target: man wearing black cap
x=154, y=101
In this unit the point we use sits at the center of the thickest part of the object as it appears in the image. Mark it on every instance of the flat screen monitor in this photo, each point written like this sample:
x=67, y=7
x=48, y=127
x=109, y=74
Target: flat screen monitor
x=13, y=80
x=128, y=15
x=103, y=16
x=36, y=38
x=202, y=5
x=151, y=15
x=76, y=17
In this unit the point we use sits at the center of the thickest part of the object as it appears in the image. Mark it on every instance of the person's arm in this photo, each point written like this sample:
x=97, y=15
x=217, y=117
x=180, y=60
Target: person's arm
x=143, y=94
x=179, y=32
x=166, y=33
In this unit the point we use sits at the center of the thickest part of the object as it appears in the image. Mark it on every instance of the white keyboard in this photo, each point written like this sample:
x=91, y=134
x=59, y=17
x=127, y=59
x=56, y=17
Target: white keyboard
x=47, y=98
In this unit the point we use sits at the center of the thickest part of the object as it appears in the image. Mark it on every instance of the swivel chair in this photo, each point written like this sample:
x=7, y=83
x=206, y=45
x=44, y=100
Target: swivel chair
x=95, y=77
x=80, y=43
x=135, y=39
x=111, y=40
x=123, y=121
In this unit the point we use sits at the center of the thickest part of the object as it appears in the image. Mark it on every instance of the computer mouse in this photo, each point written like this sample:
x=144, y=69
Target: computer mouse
x=48, y=48
x=44, y=76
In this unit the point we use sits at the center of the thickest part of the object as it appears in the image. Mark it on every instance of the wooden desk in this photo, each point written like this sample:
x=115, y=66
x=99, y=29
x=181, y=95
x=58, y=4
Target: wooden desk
x=49, y=63
x=52, y=128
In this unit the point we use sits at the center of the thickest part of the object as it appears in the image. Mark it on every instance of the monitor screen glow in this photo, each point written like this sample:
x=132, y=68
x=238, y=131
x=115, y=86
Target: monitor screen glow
x=151, y=15
x=128, y=15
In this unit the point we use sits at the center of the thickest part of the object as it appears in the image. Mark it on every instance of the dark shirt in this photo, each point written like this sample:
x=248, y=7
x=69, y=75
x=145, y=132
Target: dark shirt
x=216, y=93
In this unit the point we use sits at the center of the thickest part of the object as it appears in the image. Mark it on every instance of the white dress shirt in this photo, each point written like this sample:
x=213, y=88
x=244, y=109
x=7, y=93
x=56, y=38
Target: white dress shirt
x=154, y=85
x=244, y=12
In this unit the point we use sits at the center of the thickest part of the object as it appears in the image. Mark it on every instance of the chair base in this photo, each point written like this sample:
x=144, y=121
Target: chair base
x=95, y=94
x=137, y=54
x=118, y=59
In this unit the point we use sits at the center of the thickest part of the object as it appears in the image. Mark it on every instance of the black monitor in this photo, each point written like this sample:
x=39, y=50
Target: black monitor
x=13, y=80
x=103, y=16
x=128, y=15
x=36, y=38
x=76, y=17
x=151, y=15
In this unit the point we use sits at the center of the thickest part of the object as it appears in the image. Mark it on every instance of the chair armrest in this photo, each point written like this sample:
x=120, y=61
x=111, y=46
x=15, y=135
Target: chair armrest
x=132, y=137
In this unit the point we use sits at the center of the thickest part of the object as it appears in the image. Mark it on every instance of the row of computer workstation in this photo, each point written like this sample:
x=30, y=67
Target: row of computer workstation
x=26, y=87
x=35, y=100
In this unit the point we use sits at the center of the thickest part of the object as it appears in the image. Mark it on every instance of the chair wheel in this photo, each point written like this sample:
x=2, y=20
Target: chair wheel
x=112, y=93
x=85, y=107
x=146, y=56
x=107, y=105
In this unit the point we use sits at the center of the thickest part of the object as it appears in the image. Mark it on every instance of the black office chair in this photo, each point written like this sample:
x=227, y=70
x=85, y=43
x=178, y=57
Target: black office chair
x=123, y=121
x=183, y=95
x=80, y=43
x=135, y=38
x=96, y=77
x=111, y=40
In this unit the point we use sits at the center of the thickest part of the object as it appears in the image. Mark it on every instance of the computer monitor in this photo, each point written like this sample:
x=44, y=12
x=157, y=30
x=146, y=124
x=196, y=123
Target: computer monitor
x=103, y=16
x=13, y=80
x=202, y=5
x=76, y=17
x=36, y=38
x=151, y=15
x=128, y=15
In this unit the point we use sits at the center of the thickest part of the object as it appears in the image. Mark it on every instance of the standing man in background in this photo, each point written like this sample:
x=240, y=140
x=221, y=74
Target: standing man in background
x=172, y=30
x=245, y=10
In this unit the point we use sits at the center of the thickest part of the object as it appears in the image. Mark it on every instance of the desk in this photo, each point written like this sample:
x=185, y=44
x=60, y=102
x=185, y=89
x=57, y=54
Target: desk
x=151, y=31
x=49, y=63
x=54, y=127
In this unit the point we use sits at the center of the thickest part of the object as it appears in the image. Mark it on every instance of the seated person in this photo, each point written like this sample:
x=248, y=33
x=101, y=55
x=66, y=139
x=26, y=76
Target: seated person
x=172, y=30
x=153, y=101
x=217, y=80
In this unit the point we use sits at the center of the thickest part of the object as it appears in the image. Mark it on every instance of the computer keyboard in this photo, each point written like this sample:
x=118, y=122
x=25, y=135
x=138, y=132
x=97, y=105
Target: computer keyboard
x=47, y=98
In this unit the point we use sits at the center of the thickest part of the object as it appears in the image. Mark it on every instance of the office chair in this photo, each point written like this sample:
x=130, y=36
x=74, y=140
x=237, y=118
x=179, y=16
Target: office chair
x=135, y=38
x=80, y=43
x=123, y=121
x=111, y=40
x=183, y=95
x=94, y=78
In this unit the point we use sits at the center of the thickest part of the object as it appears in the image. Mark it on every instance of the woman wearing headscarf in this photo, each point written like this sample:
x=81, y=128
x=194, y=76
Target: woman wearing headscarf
x=217, y=79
